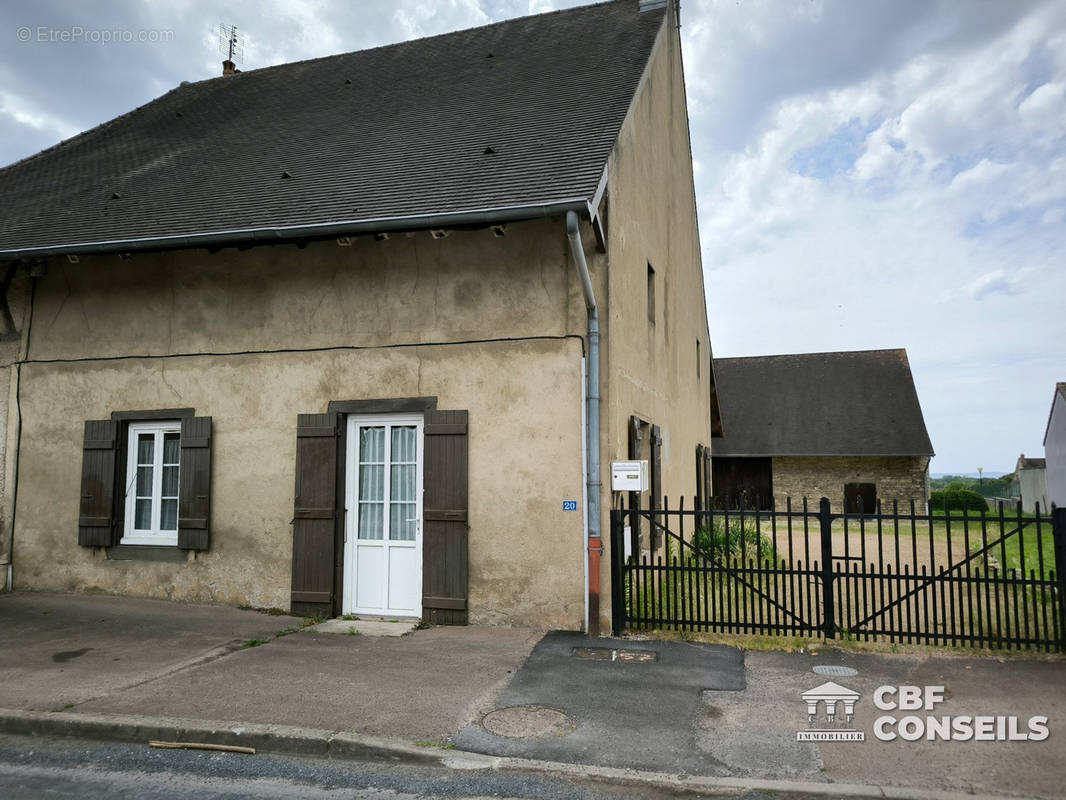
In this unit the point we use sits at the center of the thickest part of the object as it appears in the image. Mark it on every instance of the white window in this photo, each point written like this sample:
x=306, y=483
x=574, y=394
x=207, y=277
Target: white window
x=154, y=451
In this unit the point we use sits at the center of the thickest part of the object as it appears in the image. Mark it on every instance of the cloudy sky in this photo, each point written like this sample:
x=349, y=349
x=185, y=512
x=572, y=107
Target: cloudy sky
x=886, y=173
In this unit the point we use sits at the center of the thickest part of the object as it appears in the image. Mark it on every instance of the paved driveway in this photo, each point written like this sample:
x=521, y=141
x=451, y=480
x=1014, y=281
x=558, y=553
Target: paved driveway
x=626, y=711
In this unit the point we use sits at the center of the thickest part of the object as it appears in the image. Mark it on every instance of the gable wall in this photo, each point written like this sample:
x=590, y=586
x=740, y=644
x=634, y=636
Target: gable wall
x=1032, y=484
x=1055, y=453
x=651, y=371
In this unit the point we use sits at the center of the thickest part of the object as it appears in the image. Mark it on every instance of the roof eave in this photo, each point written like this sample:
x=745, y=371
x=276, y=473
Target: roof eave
x=276, y=234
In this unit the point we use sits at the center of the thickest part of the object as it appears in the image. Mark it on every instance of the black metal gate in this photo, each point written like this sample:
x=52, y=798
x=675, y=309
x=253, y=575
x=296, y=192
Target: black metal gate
x=985, y=580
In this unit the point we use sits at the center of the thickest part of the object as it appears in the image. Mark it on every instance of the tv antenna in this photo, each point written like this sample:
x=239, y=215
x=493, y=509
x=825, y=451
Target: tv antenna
x=231, y=43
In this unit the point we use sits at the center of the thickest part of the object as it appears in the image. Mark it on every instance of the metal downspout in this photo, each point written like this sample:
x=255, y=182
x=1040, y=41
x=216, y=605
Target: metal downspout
x=592, y=415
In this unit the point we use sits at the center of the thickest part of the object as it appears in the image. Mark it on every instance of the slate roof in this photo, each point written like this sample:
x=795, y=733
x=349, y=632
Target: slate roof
x=860, y=403
x=1030, y=463
x=396, y=131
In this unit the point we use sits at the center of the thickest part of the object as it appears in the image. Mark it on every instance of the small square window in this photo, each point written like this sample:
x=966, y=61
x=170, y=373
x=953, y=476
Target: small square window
x=152, y=479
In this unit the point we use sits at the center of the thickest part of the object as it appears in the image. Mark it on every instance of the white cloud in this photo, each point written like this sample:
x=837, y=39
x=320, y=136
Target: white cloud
x=869, y=174
x=995, y=282
x=912, y=198
x=25, y=112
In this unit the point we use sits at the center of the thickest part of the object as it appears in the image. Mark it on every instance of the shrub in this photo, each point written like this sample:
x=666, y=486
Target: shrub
x=715, y=540
x=957, y=499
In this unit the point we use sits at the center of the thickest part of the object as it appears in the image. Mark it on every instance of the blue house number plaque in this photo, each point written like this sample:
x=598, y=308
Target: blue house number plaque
x=569, y=505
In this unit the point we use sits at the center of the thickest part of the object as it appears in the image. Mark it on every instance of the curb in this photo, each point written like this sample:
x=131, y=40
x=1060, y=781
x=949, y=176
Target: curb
x=316, y=742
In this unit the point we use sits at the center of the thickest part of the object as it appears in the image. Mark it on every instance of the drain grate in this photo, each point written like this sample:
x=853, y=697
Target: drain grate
x=834, y=671
x=611, y=654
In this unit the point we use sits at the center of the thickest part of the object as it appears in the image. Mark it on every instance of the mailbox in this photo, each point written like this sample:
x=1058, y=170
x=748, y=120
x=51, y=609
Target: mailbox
x=629, y=476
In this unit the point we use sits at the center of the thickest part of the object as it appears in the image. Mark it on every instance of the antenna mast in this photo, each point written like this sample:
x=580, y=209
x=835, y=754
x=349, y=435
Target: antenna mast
x=231, y=44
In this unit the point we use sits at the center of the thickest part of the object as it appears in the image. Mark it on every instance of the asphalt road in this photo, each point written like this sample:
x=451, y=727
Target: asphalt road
x=32, y=767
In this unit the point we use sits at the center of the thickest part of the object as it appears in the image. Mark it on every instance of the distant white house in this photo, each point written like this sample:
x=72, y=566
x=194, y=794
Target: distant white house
x=1031, y=474
x=1055, y=448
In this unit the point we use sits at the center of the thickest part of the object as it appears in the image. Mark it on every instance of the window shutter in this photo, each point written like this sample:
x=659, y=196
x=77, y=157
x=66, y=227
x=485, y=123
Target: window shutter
x=314, y=525
x=707, y=474
x=445, y=529
x=656, y=468
x=96, y=521
x=656, y=500
x=194, y=491
x=701, y=497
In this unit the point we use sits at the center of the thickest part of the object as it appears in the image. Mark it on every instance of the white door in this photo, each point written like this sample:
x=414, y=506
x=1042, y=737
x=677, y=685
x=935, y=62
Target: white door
x=383, y=521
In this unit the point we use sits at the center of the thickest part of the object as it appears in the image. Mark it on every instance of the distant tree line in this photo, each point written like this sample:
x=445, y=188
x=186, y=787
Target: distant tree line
x=988, y=487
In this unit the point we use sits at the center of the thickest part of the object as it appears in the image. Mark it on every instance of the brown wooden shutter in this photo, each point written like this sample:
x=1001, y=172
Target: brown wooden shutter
x=656, y=468
x=314, y=525
x=635, y=438
x=96, y=521
x=194, y=491
x=701, y=497
x=656, y=500
x=445, y=567
x=707, y=487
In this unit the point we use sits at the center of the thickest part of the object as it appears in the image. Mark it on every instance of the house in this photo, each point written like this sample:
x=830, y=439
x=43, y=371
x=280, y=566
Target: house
x=847, y=426
x=1055, y=448
x=1031, y=474
x=362, y=333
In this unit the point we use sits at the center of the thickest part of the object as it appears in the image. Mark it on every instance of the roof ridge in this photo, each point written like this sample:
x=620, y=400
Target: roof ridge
x=818, y=353
x=419, y=39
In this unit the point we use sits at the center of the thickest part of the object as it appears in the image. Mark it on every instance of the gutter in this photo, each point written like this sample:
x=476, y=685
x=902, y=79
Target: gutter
x=594, y=546
x=325, y=230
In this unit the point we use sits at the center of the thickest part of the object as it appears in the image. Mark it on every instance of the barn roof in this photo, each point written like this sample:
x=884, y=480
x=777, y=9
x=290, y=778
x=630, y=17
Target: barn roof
x=517, y=117
x=860, y=403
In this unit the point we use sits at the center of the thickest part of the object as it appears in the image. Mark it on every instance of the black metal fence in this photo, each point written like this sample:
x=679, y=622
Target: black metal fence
x=972, y=579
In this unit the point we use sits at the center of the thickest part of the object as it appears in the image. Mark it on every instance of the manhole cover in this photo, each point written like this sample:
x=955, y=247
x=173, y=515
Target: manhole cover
x=834, y=671
x=610, y=654
x=527, y=722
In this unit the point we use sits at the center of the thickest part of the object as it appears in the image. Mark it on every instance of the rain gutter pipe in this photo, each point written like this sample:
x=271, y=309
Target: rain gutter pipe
x=593, y=545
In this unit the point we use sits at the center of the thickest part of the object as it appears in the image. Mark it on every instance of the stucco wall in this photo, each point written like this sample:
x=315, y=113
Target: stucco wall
x=1032, y=483
x=11, y=344
x=525, y=553
x=1055, y=453
x=652, y=368
x=900, y=479
x=420, y=312
x=408, y=289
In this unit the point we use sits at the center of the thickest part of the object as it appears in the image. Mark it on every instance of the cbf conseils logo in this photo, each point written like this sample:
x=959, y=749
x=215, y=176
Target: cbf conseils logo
x=830, y=709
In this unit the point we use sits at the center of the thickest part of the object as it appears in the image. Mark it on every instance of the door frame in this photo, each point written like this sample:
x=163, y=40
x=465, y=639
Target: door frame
x=349, y=525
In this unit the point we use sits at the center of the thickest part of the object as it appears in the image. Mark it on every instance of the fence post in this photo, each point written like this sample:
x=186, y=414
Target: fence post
x=618, y=551
x=825, y=523
x=1058, y=530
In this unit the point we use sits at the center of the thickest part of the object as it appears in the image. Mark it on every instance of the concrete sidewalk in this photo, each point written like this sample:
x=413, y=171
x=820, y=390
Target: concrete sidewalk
x=127, y=669
x=58, y=650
